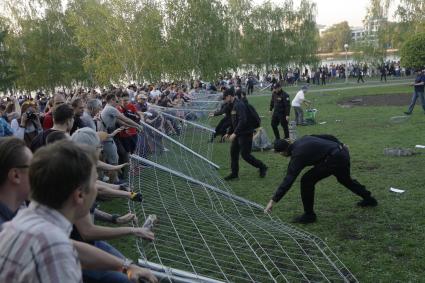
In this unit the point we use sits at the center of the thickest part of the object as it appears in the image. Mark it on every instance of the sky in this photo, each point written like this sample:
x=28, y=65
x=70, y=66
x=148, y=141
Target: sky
x=330, y=12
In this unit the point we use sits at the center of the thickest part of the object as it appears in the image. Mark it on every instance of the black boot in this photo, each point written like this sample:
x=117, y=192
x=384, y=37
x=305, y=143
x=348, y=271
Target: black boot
x=231, y=177
x=369, y=201
x=263, y=171
x=305, y=218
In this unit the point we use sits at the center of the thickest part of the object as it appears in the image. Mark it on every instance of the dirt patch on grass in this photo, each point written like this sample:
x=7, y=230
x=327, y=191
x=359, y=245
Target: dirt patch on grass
x=398, y=99
x=367, y=166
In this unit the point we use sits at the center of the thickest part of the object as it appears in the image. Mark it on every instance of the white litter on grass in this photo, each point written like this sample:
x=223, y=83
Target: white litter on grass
x=419, y=146
x=322, y=123
x=396, y=190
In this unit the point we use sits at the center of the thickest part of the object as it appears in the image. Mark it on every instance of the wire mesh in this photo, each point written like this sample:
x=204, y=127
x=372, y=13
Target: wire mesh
x=195, y=110
x=207, y=231
x=209, y=234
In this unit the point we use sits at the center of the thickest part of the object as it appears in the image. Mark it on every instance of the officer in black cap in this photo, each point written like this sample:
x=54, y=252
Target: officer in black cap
x=328, y=156
x=281, y=106
x=240, y=133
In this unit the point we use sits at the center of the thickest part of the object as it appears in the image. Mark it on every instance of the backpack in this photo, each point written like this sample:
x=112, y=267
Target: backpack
x=253, y=117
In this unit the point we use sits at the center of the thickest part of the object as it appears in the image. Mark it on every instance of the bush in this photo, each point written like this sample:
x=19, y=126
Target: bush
x=413, y=51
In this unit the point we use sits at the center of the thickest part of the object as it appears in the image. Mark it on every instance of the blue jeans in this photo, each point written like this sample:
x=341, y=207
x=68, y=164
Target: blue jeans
x=100, y=276
x=414, y=98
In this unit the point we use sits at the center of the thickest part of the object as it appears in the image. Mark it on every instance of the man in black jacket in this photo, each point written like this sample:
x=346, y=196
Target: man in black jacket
x=240, y=133
x=328, y=156
x=221, y=128
x=281, y=106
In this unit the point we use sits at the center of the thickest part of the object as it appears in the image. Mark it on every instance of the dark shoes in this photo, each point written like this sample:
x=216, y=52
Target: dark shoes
x=263, y=171
x=408, y=113
x=230, y=177
x=305, y=218
x=368, y=202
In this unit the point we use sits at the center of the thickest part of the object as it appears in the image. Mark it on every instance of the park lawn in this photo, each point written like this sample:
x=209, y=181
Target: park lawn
x=382, y=244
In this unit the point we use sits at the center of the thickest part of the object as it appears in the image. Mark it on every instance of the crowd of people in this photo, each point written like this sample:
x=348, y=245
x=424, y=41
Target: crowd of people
x=60, y=155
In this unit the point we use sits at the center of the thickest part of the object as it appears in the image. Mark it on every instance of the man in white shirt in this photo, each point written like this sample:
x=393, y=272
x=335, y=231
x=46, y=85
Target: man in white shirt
x=298, y=100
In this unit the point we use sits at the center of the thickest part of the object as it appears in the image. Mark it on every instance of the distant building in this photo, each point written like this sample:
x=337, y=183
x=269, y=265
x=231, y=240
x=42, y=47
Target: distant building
x=358, y=33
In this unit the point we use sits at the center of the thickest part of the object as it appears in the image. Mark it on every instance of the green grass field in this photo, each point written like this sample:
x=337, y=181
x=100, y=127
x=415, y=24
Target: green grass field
x=382, y=244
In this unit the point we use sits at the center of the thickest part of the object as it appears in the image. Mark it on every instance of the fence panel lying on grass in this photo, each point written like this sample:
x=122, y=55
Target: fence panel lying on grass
x=208, y=234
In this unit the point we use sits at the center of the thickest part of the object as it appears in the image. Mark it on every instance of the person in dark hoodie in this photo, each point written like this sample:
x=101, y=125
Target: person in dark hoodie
x=240, y=133
x=280, y=106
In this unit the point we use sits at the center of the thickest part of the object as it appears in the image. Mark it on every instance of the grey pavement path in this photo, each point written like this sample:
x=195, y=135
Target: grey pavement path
x=351, y=85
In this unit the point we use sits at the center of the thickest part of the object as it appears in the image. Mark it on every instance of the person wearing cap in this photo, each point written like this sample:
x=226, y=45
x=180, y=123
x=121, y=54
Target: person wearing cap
x=281, y=107
x=328, y=156
x=296, y=103
x=419, y=86
x=88, y=136
x=240, y=133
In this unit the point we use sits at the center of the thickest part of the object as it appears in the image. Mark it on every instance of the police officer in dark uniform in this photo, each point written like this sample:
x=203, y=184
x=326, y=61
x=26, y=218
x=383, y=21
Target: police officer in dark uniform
x=224, y=124
x=328, y=156
x=240, y=133
x=281, y=106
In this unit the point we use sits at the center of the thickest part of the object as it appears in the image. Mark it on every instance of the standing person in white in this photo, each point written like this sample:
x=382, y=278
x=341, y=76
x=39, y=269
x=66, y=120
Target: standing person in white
x=298, y=100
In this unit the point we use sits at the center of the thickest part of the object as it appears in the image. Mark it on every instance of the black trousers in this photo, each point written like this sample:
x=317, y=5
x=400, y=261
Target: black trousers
x=243, y=145
x=338, y=165
x=276, y=119
x=250, y=90
x=360, y=77
x=383, y=76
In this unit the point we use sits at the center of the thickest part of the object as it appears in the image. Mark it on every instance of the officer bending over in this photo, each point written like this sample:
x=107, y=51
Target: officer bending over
x=328, y=156
x=240, y=133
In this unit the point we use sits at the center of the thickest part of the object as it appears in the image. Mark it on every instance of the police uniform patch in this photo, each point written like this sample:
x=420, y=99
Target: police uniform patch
x=233, y=112
x=279, y=99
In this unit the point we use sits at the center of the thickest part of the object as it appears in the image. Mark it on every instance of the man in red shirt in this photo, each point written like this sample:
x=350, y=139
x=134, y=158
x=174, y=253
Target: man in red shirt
x=126, y=140
x=58, y=99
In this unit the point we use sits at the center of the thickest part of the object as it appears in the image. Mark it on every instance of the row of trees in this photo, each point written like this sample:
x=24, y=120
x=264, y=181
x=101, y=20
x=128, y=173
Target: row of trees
x=94, y=42
x=380, y=33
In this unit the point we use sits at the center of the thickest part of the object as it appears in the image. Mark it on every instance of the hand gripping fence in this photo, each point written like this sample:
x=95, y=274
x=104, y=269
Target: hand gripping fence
x=208, y=234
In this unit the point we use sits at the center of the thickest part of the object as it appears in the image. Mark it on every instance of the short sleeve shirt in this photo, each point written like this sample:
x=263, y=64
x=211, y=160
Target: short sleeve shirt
x=420, y=79
x=108, y=117
x=298, y=99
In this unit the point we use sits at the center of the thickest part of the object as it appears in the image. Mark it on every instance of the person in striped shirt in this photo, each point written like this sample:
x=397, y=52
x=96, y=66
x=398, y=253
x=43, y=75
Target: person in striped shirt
x=35, y=245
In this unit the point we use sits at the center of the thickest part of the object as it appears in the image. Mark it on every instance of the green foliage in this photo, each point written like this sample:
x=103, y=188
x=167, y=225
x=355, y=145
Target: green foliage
x=413, y=51
x=412, y=12
x=97, y=42
x=8, y=74
x=334, y=38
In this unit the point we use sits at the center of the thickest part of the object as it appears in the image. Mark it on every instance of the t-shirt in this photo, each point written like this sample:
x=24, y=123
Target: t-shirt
x=108, y=118
x=40, y=139
x=5, y=128
x=130, y=131
x=298, y=99
x=88, y=121
x=419, y=79
x=48, y=121
x=78, y=124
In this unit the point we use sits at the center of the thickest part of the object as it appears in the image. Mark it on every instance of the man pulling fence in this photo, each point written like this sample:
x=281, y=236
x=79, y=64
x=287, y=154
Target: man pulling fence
x=328, y=156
